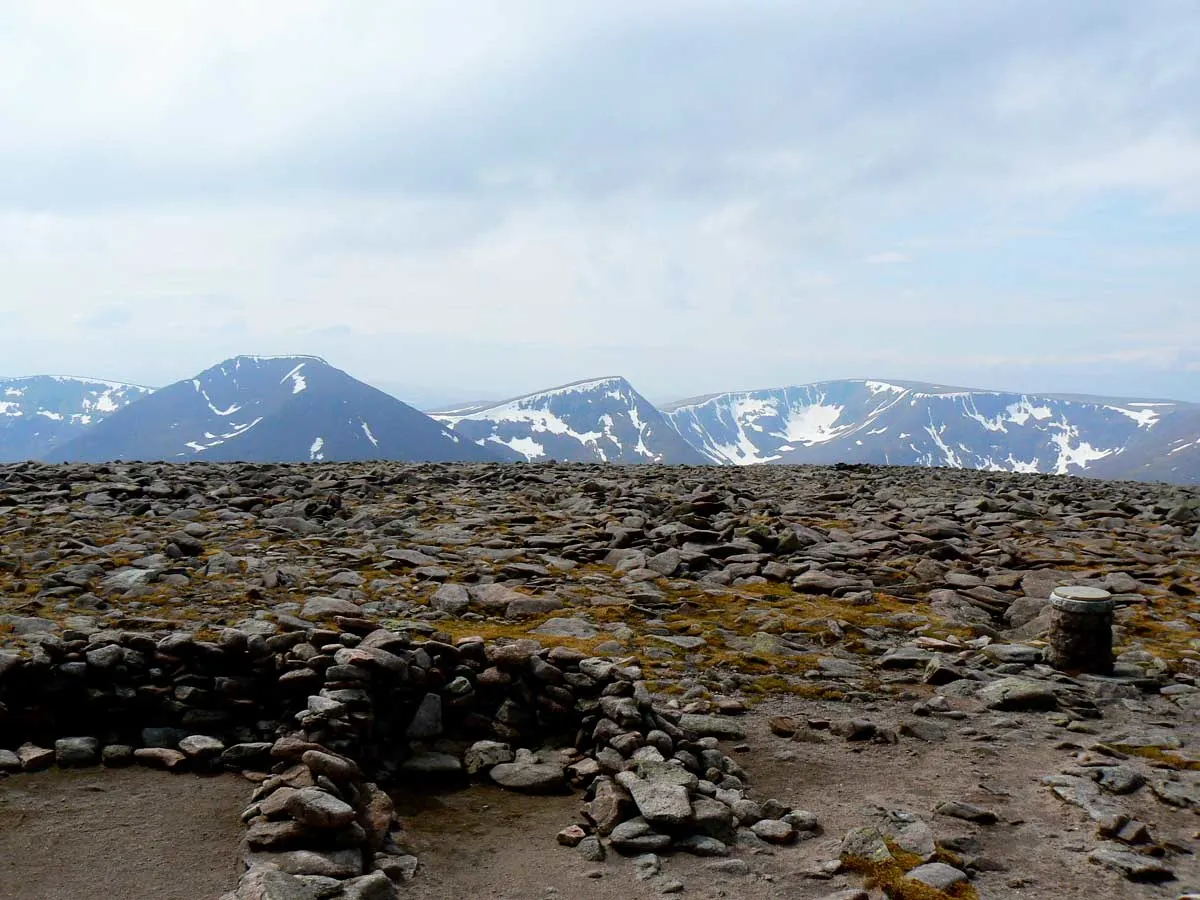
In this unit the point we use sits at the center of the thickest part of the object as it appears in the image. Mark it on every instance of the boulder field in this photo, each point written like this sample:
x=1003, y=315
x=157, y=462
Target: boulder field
x=339, y=631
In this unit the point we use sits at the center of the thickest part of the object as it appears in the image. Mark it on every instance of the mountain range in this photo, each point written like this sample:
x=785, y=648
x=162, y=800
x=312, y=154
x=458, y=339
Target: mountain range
x=300, y=408
x=41, y=412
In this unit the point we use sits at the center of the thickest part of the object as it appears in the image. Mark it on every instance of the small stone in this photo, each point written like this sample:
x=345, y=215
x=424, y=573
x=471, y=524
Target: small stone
x=1133, y=866
x=117, y=755
x=571, y=836
x=783, y=726
x=76, y=751
x=328, y=607
x=427, y=722
x=660, y=802
x=269, y=883
x=774, y=831
x=1017, y=694
x=483, y=755
x=854, y=729
x=729, y=867
x=802, y=820
x=701, y=845
x=336, y=768
x=451, y=599
x=33, y=757
x=967, y=812
x=375, y=886
x=160, y=758
x=317, y=809
x=591, y=849
x=398, y=868
x=535, y=778
x=610, y=805
x=636, y=836
x=930, y=732
x=646, y=866
x=938, y=876
x=201, y=746
x=568, y=627
x=331, y=863
x=864, y=845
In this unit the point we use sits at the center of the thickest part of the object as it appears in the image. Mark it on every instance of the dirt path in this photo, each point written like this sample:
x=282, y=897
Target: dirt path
x=128, y=834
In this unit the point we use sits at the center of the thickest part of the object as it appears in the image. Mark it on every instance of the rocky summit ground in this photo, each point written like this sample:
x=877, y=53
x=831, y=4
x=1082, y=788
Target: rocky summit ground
x=871, y=639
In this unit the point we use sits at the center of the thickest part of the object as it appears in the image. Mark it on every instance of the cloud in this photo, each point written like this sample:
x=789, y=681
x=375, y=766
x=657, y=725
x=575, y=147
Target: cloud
x=702, y=184
x=886, y=258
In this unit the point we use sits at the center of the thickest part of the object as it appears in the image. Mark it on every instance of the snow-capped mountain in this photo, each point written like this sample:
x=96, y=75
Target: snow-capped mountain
x=41, y=412
x=601, y=420
x=1170, y=451
x=908, y=423
x=269, y=409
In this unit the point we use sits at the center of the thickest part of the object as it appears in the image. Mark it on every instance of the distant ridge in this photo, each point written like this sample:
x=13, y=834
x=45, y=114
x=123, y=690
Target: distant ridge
x=39, y=413
x=300, y=408
x=912, y=423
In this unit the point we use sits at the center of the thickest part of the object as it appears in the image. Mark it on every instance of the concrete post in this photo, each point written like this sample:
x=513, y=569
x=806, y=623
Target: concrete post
x=1081, y=620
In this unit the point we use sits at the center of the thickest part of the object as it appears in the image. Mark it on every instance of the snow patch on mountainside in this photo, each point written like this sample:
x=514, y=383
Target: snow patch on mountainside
x=527, y=447
x=38, y=413
x=596, y=420
x=298, y=381
x=1145, y=415
x=812, y=424
x=1018, y=413
x=905, y=423
x=1078, y=455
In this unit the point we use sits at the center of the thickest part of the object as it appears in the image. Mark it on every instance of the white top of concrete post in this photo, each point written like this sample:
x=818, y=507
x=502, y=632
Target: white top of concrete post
x=1079, y=599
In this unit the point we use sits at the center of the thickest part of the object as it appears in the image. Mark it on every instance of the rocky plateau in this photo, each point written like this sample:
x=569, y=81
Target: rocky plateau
x=768, y=681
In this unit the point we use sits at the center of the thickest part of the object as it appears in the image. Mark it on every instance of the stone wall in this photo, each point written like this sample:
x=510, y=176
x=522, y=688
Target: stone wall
x=320, y=718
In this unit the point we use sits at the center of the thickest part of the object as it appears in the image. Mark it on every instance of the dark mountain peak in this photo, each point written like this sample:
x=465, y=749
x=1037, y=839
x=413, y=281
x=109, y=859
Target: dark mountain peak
x=271, y=409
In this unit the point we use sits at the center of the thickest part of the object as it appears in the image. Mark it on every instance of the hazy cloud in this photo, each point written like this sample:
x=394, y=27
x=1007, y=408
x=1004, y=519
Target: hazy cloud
x=507, y=196
x=886, y=258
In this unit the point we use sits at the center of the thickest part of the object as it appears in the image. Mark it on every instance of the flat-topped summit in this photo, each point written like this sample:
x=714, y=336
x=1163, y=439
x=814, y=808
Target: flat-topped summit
x=910, y=423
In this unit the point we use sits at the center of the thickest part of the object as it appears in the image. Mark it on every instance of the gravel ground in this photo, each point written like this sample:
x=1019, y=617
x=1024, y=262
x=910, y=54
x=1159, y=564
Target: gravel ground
x=128, y=834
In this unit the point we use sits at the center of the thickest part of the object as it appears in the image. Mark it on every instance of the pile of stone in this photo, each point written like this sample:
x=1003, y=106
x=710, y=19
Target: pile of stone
x=322, y=823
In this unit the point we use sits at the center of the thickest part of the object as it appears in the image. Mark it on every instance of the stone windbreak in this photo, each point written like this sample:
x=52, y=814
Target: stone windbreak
x=321, y=718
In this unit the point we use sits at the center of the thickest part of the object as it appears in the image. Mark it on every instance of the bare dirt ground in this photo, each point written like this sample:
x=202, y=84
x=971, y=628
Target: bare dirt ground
x=107, y=834
x=119, y=834
x=486, y=843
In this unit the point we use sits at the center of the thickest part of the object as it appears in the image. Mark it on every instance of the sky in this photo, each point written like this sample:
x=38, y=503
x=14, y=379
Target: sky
x=475, y=199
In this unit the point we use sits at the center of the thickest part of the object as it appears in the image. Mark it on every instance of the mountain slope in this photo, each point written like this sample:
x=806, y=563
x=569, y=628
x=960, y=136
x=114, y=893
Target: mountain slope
x=907, y=423
x=269, y=409
x=1168, y=452
x=41, y=412
x=600, y=420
